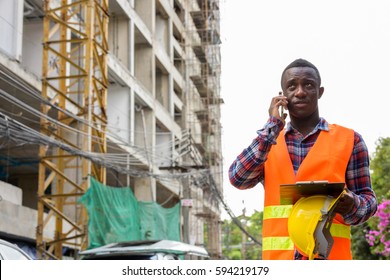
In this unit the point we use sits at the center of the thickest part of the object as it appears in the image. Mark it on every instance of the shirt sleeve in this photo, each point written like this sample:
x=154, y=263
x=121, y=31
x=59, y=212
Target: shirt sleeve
x=359, y=182
x=247, y=170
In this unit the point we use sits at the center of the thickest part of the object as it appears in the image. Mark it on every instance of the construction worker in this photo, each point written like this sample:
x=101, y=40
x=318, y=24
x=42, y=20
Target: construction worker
x=308, y=149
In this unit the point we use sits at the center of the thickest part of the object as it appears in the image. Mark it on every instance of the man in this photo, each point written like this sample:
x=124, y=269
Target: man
x=309, y=149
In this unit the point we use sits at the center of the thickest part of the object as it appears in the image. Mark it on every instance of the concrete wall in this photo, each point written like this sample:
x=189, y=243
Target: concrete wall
x=144, y=66
x=32, y=44
x=11, y=27
x=146, y=10
x=118, y=111
x=10, y=193
x=119, y=39
x=164, y=146
x=16, y=219
x=162, y=33
x=162, y=89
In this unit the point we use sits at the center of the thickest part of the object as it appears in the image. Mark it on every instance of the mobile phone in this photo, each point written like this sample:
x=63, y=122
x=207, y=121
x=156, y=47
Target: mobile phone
x=281, y=109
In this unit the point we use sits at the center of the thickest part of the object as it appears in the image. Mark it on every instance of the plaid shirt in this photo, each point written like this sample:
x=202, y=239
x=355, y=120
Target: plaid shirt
x=248, y=168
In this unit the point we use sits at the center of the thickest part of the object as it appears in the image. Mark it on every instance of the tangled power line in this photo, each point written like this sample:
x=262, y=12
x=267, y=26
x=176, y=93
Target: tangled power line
x=18, y=134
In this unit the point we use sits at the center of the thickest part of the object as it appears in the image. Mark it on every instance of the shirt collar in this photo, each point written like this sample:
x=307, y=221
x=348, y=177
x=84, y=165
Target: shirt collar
x=322, y=125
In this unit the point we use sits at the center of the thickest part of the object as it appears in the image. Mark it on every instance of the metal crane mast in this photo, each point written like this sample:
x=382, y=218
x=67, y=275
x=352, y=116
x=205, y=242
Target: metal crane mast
x=74, y=84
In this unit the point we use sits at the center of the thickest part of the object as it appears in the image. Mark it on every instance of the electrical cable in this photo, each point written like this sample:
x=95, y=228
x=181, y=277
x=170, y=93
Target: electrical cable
x=228, y=210
x=143, y=152
x=21, y=134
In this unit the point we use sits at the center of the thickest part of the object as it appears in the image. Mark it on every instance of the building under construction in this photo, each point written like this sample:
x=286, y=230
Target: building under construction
x=126, y=92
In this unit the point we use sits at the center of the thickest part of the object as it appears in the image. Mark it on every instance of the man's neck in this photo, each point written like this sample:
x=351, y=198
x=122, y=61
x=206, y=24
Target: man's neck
x=305, y=126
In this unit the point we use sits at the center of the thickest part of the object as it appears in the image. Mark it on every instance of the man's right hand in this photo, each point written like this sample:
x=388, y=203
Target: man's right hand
x=276, y=103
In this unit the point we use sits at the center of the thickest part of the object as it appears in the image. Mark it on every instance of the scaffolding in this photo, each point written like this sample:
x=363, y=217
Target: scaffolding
x=74, y=83
x=204, y=69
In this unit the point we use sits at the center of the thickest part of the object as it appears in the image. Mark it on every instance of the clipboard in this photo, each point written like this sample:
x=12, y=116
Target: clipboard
x=291, y=193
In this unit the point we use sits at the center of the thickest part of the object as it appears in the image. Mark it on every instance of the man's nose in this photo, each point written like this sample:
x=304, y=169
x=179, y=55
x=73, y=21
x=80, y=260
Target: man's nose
x=300, y=92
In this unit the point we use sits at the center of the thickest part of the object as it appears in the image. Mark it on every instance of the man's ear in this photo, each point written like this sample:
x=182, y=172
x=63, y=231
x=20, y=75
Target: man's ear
x=321, y=92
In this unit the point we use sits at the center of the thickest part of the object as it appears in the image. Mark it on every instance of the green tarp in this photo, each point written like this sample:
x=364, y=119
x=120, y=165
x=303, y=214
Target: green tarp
x=116, y=215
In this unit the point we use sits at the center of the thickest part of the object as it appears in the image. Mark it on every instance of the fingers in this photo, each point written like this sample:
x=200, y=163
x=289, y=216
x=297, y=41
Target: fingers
x=345, y=204
x=280, y=100
x=277, y=103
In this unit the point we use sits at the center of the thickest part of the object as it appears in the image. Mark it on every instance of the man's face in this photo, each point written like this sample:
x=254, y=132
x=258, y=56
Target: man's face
x=301, y=87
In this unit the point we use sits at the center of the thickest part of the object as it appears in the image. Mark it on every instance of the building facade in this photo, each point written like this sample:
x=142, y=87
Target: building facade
x=125, y=90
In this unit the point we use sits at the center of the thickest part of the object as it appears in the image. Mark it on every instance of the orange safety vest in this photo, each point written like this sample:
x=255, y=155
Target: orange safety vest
x=327, y=160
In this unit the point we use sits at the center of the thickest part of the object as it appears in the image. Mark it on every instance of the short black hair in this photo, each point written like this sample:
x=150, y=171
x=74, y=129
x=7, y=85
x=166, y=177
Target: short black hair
x=300, y=62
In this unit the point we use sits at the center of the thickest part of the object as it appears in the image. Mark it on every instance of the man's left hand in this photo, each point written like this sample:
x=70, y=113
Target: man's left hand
x=345, y=203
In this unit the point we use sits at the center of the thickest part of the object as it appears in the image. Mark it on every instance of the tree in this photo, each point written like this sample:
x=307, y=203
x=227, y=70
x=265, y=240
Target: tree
x=371, y=240
x=255, y=228
x=234, y=238
x=359, y=245
x=380, y=166
x=378, y=236
x=231, y=239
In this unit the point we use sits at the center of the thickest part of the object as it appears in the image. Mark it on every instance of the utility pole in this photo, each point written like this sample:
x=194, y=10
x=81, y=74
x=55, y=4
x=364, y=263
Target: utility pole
x=244, y=238
x=186, y=210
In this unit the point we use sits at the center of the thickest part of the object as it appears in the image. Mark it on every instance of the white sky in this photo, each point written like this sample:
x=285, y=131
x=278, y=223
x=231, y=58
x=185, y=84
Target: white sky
x=349, y=42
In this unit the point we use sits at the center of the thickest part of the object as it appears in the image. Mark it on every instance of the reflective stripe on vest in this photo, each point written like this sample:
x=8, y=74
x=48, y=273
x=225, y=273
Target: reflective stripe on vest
x=340, y=230
x=279, y=211
x=283, y=211
x=277, y=243
x=285, y=243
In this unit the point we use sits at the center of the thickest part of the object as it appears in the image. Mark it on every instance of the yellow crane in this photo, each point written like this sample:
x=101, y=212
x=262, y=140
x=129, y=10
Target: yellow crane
x=74, y=83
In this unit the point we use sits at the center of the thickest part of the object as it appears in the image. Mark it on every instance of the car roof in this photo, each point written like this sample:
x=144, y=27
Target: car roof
x=16, y=247
x=146, y=247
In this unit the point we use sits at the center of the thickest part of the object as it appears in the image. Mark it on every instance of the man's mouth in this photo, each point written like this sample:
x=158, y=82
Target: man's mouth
x=300, y=104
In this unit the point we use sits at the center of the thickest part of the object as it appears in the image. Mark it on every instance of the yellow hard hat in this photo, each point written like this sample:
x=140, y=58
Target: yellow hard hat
x=309, y=225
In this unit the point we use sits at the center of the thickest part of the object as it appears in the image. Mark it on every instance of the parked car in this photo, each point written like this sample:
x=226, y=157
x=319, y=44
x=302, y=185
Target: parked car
x=10, y=251
x=144, y=250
